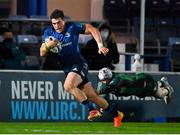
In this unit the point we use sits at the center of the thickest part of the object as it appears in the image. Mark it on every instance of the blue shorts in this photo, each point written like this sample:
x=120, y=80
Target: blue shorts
x=82, y=70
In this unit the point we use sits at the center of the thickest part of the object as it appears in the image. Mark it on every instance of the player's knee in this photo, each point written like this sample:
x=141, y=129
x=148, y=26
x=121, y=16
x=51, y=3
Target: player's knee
x=69, y=86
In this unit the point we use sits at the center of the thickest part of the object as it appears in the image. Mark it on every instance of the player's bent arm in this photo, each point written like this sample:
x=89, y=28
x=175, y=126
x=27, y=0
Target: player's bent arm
x=44, y=50
x=45, y=47
x=97, y=36
x=95, y=33
x=109, y=89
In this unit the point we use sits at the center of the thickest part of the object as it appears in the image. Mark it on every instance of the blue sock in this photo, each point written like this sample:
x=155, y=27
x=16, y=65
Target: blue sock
x=88, y=105
x=112, y=109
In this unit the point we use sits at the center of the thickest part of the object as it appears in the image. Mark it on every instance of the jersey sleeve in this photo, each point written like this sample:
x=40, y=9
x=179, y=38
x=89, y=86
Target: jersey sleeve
x=101, y=90
x=80, y=28
x=47, y=33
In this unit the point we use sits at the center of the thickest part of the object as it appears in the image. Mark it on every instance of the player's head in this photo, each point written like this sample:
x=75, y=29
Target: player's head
x=57, y=19
x=105, y=74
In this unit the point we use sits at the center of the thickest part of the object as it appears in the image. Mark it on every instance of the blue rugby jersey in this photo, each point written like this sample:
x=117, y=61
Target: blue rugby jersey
x=69, y=53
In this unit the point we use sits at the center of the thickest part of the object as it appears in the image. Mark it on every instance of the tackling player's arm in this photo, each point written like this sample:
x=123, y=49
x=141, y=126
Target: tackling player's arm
x=105, y=89
x=97, y=36
x=46, y=46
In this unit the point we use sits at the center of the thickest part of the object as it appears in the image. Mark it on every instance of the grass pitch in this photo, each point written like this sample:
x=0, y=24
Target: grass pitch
x=87, y=128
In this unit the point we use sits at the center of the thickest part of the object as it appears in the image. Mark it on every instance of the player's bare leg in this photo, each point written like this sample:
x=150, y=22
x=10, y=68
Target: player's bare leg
x=102, y=103
x=164, y=90
x=71, y=85
x=92, y=95
x=169, y=88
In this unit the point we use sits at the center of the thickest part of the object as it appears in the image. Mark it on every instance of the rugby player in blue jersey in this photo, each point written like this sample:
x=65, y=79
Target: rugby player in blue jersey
x=62, y=38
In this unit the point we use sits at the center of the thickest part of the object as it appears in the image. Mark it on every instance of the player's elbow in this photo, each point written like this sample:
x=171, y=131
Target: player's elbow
x=42, y=53
x=90, y=29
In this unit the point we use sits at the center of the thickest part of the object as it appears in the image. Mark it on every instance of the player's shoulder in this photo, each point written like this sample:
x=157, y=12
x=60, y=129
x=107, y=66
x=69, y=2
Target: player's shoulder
x=70, y=23
x=73, y=24
x=75, y=27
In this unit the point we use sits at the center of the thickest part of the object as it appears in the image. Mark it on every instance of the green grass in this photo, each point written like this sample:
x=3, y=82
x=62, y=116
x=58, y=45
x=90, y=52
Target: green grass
x=87, y=128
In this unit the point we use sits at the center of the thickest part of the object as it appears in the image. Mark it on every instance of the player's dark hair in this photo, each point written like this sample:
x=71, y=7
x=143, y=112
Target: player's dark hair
x=57, y=14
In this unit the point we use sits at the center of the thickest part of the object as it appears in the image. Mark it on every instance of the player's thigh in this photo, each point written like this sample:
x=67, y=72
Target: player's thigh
x=72, y=80
x=89, y=90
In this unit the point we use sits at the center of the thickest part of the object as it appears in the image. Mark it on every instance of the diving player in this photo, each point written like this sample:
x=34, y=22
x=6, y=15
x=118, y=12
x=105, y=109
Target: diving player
x=139, y=84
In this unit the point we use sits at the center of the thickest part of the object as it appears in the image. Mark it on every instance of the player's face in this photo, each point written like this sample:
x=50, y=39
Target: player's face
x=58, y=24
x=105, y=81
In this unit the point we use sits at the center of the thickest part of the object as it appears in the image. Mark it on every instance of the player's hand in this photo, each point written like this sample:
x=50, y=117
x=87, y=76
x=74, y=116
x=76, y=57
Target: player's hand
x=52, y=42
x=103, y=50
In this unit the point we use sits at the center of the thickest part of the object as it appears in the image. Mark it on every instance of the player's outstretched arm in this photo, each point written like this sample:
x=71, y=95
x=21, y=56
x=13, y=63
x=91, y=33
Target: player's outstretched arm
x=97, y=36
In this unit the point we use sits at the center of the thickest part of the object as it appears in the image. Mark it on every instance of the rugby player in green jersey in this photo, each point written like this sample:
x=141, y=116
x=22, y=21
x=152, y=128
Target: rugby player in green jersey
x=138, y=84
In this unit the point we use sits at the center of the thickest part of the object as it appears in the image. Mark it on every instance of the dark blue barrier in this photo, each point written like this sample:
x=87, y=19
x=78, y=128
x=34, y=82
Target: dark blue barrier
x=39, y=96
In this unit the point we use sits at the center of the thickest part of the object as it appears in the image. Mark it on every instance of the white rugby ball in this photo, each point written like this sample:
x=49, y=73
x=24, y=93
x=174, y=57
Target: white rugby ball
x=54, y=50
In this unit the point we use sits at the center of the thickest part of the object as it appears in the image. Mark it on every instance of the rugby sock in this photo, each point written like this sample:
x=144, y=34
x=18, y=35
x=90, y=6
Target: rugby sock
x=161, y=91
x=88, y=105
x=112, y=109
